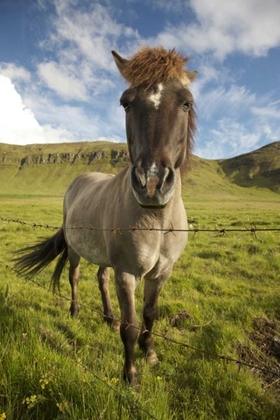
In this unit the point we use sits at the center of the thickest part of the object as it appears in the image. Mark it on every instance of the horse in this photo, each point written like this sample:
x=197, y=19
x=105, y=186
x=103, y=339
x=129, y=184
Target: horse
x=160, y=127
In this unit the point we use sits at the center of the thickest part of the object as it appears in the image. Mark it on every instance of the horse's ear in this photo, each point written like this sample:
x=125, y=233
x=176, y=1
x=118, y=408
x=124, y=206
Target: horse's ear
x=120, y=62
x=192, y=75
x=188, y=77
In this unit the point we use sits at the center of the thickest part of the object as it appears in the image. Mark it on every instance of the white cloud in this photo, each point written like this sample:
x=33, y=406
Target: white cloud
x=72, y=118
x=270, y=131
x=97, y=119
x=63, y=83
x=223, y=27
x=18, y=124
x=274, y=103
x=14, y=72
x=230, y=138
x=235, y=99
x=82, y=39
x=171, y=6
x=90, y=31
x=91, y=34
x=266, y=112
x=15, y=118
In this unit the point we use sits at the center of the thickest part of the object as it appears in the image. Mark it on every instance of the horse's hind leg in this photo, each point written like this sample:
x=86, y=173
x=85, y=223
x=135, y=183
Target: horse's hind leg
x=103, y=276
x=74, y=276
x=152, y=289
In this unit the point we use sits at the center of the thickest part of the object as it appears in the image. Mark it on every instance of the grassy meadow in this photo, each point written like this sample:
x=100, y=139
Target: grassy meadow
x=223, y=297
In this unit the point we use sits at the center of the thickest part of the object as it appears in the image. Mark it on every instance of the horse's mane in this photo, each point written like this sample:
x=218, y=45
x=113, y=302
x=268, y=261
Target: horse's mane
x=190, y=140
x=154, y=65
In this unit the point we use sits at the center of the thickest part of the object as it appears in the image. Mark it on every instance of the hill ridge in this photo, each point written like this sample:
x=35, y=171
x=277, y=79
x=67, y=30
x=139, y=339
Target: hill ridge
x=260, y=168
x=52, y=166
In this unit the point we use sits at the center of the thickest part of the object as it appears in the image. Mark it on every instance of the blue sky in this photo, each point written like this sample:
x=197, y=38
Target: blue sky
x=58, y=81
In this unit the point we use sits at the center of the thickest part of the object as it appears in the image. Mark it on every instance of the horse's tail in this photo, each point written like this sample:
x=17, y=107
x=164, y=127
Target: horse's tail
x=36, y=257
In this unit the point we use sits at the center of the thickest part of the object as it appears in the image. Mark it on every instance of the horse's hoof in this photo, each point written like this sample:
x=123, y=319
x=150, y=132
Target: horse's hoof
x=74, y=312
x=115, y=325
x=136, y=387
x=132, y=381
x=152, y=358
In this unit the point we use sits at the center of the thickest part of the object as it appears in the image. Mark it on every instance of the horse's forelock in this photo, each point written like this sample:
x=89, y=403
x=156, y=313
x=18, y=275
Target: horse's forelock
x=150, y=66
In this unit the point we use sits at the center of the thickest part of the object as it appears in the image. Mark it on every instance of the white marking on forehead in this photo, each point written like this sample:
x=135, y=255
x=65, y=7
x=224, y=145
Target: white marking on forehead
x=156, y=96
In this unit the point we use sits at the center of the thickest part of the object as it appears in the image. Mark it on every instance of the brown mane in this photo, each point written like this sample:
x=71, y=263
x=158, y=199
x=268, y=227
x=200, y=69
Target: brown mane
x=154, y=65
x=190, y=141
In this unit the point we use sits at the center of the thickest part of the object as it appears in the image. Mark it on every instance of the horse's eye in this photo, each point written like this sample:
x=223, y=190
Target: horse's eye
x=125, y=105
x=187, y=105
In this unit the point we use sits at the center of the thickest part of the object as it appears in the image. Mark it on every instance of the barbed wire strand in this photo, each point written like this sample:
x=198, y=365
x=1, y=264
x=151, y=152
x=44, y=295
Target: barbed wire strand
x=222, y=231
x=112, y=388
x=238, y=362
x=132, y=404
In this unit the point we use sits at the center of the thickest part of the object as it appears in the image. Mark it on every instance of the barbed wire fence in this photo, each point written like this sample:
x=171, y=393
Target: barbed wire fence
x=194, y=229
x=238, y=362
x=116, y=230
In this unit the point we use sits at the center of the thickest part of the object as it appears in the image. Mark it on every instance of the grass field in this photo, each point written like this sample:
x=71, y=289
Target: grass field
x=222, y=298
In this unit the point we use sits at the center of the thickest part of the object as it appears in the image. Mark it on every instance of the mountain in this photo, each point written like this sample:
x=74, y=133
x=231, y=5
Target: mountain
x=260, y=168
x=49, y=168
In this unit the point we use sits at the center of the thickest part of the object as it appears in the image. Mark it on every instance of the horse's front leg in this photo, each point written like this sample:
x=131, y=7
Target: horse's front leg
x=103, y=276
x=74, y=276
x=152, y=288
x=125, y=286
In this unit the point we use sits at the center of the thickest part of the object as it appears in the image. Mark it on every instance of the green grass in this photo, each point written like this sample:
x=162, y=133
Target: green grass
x=53, y=367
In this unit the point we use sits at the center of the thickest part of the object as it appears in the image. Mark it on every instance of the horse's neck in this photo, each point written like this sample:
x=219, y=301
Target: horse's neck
x=175, y=207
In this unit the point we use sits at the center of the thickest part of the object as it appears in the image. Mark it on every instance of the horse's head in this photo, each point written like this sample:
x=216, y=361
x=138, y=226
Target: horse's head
x=160, y=121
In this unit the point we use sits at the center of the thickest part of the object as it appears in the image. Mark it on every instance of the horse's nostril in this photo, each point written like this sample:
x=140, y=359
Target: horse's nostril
x=170, y=176
x=140, y=175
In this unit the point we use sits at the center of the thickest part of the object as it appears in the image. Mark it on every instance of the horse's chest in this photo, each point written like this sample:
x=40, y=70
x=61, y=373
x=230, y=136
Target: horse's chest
x=172, y=246
x=166, y=254
x=169, y=252
x=140, y=252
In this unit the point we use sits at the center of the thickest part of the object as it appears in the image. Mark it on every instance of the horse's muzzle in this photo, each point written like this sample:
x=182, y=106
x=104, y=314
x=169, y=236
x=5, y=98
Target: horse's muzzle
x=152, y=187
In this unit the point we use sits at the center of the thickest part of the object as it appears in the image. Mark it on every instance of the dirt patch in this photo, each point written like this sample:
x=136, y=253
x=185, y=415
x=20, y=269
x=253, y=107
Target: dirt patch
x=177, y=321
x=263, y=351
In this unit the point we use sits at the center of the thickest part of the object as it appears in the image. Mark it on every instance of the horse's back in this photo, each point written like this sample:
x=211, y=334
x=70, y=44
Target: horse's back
x=85, y=179
x=82, y=184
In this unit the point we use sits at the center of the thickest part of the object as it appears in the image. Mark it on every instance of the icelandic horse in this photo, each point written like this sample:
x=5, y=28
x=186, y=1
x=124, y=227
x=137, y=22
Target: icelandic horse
x=160, y=123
